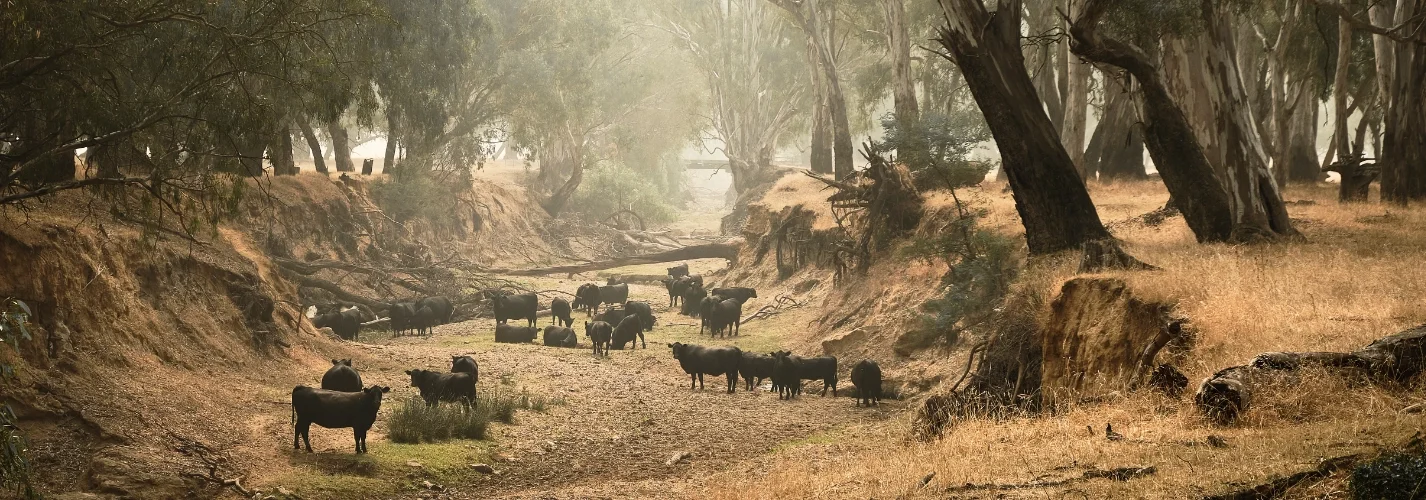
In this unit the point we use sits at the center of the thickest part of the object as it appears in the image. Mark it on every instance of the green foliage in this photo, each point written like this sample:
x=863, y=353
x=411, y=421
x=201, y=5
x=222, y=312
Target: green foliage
x=609, y=188
x=415, y=422
x=982, y=268
x=936, y=148
x=14, y=467
x=1391, y=476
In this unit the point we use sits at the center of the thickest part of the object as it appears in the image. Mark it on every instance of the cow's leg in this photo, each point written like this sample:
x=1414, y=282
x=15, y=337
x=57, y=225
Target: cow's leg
x=692, y=381
x=732, y=382
x=296, y=437
x=356, y=438
x=304, y=428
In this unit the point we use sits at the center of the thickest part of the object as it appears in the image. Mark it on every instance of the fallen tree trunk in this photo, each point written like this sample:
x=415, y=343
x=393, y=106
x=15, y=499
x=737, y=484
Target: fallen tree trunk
x=727, y=250
x=310, y=268
x=336, y=290
x=1394, y=359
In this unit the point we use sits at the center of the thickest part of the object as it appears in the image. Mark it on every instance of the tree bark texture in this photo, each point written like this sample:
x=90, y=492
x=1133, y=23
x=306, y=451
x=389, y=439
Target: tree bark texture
x=1052, y=202
x=571, y=155
x=341, y=148
x=1168, y=135
x=1044, y=17
x=1076, y=103
x=899, y=43
x=812, y=18
x=315, y=145
x=821, y=153
x=1119, y=155
x=1403, y=157
x=1258, y=210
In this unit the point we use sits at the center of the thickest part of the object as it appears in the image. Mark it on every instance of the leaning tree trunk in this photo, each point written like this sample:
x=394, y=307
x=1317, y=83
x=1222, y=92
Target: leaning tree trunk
x=1258, y=210
x=315, y=145
x=341, y=149
x=1043, y=18
x=1121, y=152
x=571, y=156
x=1049, y=196
x=1192, y=183
x=899, y=43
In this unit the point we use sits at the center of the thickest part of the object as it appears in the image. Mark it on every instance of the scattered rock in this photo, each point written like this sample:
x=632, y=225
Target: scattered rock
x=550, y=445
x=1217, y=441
x=483, y=468
x=432, y=486
x=1111, y=434
x=1121, y=473
x=413, y=463
x=678, y=457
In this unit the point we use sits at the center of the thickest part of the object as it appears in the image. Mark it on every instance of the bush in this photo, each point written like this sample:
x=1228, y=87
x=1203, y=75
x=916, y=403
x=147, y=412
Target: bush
x=936, y=149
x=1394, y=475
x=610, y=187
x=415, y=422
x=982, y=267
x=14, y=467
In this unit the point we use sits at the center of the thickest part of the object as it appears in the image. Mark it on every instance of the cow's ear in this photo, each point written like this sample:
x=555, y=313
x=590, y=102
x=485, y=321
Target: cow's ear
x=385, y=389
x=410, y=372
x=335, y=362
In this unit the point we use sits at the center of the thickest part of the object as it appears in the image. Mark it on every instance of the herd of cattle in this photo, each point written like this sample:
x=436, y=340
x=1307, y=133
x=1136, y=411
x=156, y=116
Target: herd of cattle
x=343, y=402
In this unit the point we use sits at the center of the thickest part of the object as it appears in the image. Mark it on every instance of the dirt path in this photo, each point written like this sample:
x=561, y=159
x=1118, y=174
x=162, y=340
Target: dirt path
x=616, y=420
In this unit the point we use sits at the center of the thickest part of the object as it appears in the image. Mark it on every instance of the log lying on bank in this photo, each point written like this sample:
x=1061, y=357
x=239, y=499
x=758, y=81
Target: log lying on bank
x=1394, y=359
x=727, y=250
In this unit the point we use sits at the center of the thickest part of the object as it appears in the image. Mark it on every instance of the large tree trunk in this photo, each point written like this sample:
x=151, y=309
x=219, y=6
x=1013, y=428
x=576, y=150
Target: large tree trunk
x=821, y=153
x=899, y=43
x=341, y=149
x=1403, y=158
x=313, y=144
x=388, y=160
x=1192, y=183
x=1302, y=165
x=279, y=151
x=1284, y=101
x=1339, y=88
x=1052, y=202
x=1042, y=63
x=1258, y=210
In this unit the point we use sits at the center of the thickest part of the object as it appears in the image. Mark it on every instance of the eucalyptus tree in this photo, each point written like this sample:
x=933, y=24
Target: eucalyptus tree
x=817, y=19
x=753, y=68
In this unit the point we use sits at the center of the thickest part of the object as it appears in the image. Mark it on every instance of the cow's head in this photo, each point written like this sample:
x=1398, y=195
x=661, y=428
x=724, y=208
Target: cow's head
x=417, y=376
x=678, y=348
x=347, y=362
x=372, y=394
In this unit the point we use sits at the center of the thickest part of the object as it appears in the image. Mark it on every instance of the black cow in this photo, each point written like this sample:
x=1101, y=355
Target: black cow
x=755, y=366
x=697, y=361
x=695, y=280
x=341, y=377
x=436, y=386
x=560, y=312
x=465, y=364
x=678, y=271
x=559, y=336
x=334, y=410
x=692, y=297
x=403, y=317
x=822, y=368
x=346, y=324
x=613, y=280
x=642, y=311
x=441, y=309
x=784, y=375
x=523, y=306
x=587, y=298
x=599, y=334
x=510, y=334
x=611, y=315
x=675, y=287
x=614, y=294
x=737, y=292
x=629, y=328
x=726, y=318
x=705, y=311
x=866, y=376
x=424, y=321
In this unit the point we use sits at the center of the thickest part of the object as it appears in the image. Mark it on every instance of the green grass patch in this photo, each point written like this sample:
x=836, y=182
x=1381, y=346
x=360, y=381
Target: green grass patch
x=385, y=470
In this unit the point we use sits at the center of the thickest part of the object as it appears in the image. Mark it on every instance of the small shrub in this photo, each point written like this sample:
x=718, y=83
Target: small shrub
x=415, y=197
x=414, y=422
x=1392, y=476
x=937, y=147
x=15, y=472
x=982, y=267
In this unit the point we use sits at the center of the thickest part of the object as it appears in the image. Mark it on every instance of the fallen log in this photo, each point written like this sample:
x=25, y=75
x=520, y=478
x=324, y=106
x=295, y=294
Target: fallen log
x=1279, y=486
x=727, y=250
x=336, y=290
x=310, y=268
x=1394, y=359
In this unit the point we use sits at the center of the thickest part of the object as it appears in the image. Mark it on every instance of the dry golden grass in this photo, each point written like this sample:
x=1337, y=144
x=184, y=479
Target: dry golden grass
x=1356, y=277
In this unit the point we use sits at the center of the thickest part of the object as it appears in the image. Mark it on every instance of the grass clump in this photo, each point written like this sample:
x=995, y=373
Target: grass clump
x=416, y=422
x=1394, y=475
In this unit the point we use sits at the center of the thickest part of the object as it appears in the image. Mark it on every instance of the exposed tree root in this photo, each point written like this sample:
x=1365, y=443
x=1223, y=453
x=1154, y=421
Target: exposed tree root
x=1116, y=474
x=728, y=250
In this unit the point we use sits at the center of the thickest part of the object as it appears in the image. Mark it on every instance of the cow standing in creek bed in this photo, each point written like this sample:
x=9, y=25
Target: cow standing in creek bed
x=697, y=361
x=334, y=410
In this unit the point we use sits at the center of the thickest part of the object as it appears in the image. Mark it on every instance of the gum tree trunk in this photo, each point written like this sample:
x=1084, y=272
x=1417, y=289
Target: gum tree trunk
x=388, y=160
x=1403, y=158
x=899, y=43
x=315, y=145
x=821, y=153
x=341, y=150
x=1049, y=196
x=279, y=151
x=1076, y=104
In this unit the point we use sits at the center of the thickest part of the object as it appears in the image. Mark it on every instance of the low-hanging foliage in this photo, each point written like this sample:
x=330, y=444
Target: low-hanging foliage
x=936, y=148
x=414, y=197
x=611, y=187
x=14, y=467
